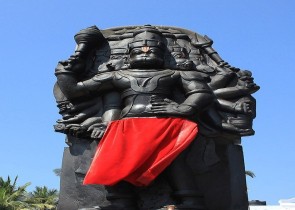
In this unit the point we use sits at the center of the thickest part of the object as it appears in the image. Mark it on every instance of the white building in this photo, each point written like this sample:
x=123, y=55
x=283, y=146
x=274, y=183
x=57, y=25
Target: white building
x=285, y=204
x=282, y=207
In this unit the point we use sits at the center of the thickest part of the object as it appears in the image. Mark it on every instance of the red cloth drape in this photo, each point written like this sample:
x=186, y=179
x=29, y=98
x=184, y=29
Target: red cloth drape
x=137, y=150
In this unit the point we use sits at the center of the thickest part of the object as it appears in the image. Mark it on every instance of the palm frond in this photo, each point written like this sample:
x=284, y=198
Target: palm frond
x=250, y=173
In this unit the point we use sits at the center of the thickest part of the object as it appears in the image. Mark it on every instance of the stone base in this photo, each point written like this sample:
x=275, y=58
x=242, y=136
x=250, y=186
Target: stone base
x=219, y=172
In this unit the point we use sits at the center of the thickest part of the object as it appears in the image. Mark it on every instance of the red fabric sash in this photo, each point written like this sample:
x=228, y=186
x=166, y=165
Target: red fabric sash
x=137, y=150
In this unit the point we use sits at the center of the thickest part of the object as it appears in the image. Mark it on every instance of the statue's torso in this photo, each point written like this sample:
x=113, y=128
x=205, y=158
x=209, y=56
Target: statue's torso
x=138, y=87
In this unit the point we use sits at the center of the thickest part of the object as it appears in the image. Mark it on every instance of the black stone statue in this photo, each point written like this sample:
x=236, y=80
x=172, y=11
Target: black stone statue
x=153, y=118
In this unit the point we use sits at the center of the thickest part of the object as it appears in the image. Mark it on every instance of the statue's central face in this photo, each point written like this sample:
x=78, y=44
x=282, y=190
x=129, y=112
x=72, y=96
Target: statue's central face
x=146, y=57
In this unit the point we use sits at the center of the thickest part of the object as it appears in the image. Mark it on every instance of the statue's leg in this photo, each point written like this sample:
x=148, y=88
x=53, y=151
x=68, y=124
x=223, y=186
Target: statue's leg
x=182, y=181
x=121, y=197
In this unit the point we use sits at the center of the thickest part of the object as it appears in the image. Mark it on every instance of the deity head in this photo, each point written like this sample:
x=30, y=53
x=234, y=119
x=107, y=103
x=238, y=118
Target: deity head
x=147, y=49
x=245, y=76
x=117, y=59
x=181, y=57
x=87, y=40
x=245, y=79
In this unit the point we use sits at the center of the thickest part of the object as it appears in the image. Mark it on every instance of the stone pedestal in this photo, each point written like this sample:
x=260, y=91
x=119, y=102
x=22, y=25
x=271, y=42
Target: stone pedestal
x=76, y=160
x=238, y=188
x=221, y=178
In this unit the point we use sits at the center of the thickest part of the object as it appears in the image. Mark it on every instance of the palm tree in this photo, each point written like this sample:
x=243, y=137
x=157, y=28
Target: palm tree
x=12, y=197
x=57, y=171
x=250, y=173
x=43, y=198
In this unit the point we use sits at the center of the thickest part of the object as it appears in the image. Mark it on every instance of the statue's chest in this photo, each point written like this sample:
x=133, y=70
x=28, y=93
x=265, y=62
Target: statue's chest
x=142, y=81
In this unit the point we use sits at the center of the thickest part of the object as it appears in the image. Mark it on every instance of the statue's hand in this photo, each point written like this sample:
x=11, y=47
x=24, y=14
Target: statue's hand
x=74, y=64
x=167, y=106
x=243, y=107
x=76, y=119
x=97, y=130
x=245, y=131
x=75, y=129
x=228, y=127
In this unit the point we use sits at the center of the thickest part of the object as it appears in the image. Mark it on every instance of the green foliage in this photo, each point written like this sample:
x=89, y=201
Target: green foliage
x=43, y=198
x=11, y=196
x=57, y=171
x=17, y=198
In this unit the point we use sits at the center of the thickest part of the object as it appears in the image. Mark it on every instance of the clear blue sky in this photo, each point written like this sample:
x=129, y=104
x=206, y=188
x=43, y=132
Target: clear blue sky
x=254, y=35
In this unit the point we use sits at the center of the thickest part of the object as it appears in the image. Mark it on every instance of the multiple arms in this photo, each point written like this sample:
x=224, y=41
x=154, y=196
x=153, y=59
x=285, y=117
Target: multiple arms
x=198, y=97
